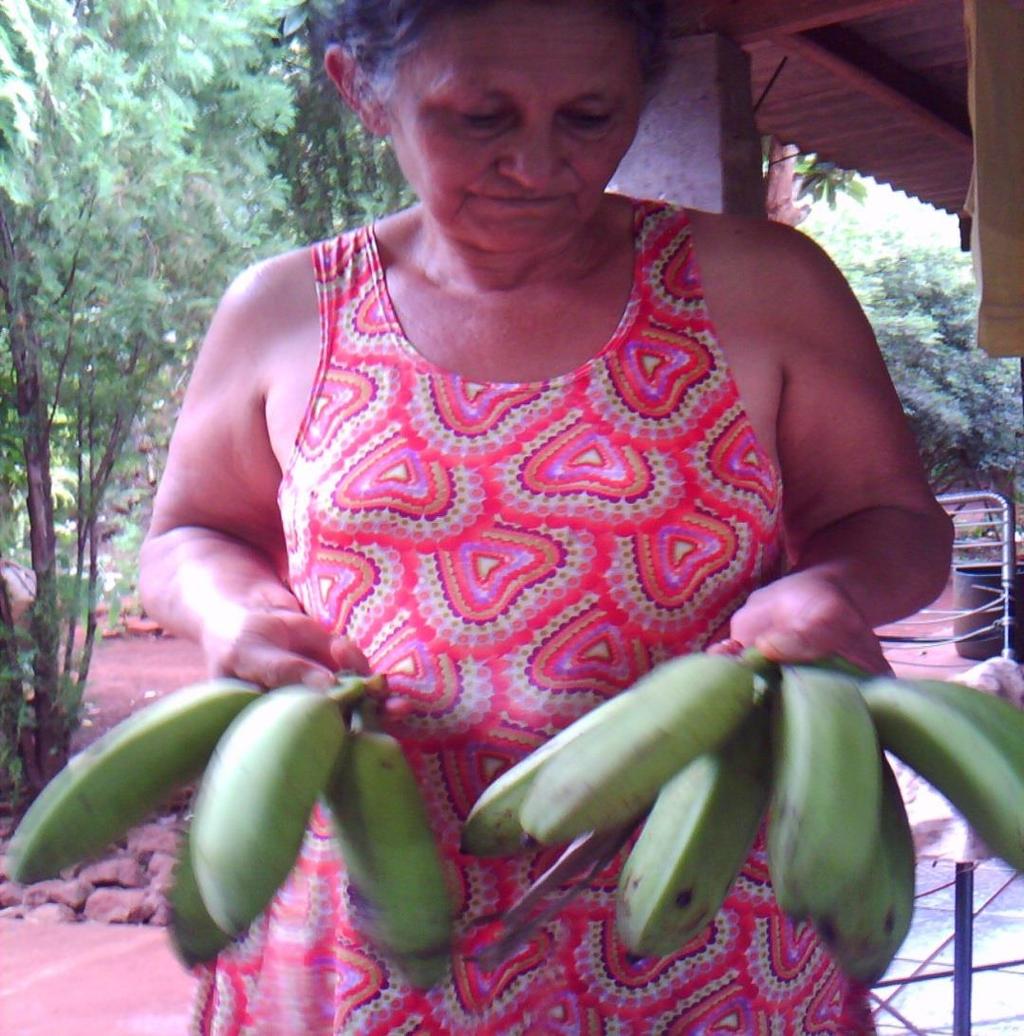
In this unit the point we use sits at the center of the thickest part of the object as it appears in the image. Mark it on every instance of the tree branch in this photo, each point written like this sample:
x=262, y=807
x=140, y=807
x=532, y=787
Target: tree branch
x=62, y=364
x=84, y=216
x=85, y=659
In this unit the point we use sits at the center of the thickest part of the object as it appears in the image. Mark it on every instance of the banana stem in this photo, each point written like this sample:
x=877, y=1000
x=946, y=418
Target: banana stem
x=755, y=660
x=349, y=691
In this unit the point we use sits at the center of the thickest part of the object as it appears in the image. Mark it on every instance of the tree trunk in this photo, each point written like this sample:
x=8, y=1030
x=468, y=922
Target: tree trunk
x=48, y=742
x=45, y=746
x=782, y=185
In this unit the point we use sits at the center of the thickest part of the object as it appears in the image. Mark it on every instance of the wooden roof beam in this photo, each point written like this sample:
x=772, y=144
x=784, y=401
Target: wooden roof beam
x=879, y=82
x=749, y=21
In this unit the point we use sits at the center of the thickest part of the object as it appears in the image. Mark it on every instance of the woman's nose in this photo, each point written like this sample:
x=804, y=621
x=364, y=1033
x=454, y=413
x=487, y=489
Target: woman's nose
x=530, y=157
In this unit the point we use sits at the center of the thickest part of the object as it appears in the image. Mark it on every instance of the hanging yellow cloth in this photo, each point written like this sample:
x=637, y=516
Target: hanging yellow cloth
x=995, y=42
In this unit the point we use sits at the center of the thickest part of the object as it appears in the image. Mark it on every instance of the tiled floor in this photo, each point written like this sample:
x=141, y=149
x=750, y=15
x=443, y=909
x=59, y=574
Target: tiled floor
x=997, y=996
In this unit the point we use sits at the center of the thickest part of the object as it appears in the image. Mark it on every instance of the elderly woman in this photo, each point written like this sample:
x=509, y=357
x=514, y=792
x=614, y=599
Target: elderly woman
x=512, y=447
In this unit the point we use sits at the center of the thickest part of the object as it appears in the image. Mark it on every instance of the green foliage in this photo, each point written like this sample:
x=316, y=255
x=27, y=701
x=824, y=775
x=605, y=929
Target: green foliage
x=137, y=144
x=338, y=175
x=963, y=405
x=918, y=292
x=149, y=150
x=825, y=181
x=814, y=179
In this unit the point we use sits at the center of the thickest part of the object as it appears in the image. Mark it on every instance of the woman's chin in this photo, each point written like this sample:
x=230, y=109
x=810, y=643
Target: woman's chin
x=499, y=225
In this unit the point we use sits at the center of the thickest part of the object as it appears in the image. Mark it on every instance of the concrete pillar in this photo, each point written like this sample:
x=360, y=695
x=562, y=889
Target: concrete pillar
x=697, y=144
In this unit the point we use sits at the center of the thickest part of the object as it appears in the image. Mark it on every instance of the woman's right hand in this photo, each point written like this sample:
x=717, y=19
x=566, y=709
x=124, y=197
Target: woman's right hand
x=273, y=643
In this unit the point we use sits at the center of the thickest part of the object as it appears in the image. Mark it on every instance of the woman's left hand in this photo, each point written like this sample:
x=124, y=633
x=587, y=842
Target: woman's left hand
x=804, y=617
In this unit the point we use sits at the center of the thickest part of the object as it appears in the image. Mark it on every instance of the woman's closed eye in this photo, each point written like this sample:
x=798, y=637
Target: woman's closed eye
x=587, y=121
x=485, y=122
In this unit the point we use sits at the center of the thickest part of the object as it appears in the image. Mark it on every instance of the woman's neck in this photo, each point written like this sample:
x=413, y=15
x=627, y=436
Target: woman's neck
x=416, y=242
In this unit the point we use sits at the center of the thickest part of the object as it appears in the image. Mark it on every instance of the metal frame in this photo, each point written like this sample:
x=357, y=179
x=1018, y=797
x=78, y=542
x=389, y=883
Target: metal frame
x=982, y=521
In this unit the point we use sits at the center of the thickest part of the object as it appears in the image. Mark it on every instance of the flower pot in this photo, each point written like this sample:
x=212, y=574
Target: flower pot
x=979, y=586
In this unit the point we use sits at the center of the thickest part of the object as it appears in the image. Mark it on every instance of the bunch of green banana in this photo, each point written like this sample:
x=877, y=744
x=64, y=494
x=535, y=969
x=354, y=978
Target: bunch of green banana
x=611, y=773
x=398, y=891
x=694, y=843
x=123, y=777
x=691, y=738
x=268, y=768
x=268, y=757
x=967, y=744
x=826, y=796
x=255, y=798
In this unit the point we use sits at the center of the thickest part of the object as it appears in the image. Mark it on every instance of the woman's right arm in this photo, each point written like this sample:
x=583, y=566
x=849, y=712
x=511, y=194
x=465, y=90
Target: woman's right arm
x=213, y=565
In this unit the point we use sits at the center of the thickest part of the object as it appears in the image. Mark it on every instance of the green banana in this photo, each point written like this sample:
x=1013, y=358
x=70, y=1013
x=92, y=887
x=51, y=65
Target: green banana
x=492, y=827
x=694, y=843
x=399, y=895
x=611, y=774
x=195, y=936
x=1000, y=720
x=124, y=776
x=867, y=926
x=960, y=754
x=254, y=801
x=826, y=794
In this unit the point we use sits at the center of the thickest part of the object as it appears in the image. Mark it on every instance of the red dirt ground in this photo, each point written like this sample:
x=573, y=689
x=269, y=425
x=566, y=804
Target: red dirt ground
x=130, y=671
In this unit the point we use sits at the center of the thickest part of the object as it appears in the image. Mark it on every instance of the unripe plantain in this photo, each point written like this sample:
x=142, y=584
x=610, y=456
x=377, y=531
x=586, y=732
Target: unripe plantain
x=826, y=790
x=195, y=936
x=398, y=891
x=255, y=799
x=867, y=926
x=694, y=843
x=1002, y=721
x=124, y=776
x=611, y=774
x=959, y=752
x=492, y=827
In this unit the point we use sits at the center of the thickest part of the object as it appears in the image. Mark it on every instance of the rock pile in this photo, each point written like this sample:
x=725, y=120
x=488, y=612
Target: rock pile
x=127, y=887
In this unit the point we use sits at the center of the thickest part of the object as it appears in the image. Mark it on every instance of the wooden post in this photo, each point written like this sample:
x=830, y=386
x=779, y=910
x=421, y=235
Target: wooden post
x=698, y=144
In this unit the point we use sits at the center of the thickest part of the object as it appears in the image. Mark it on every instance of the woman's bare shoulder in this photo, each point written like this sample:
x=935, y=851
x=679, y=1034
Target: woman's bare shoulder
x=777, y=276
x=271, y=294
x=266, y=318
x=752, y=240
x=266, y=314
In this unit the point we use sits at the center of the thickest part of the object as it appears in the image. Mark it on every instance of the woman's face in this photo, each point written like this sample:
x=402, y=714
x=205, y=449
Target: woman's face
x=509, y=121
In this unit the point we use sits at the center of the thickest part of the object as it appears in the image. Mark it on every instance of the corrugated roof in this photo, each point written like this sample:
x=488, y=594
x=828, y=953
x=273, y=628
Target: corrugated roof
x=879, y=86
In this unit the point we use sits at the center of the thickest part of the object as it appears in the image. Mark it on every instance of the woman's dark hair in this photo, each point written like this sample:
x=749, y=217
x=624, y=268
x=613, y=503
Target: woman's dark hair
x=379, y=33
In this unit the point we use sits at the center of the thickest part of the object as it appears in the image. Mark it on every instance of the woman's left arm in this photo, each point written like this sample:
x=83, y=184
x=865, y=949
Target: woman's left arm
x=867, y=541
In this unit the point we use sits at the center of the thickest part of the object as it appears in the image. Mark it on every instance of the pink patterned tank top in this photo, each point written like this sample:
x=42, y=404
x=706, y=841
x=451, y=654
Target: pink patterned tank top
x=510, y=555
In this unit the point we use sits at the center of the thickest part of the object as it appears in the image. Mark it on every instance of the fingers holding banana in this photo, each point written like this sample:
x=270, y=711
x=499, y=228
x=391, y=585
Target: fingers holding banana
x=804, y=617
x=275, y=644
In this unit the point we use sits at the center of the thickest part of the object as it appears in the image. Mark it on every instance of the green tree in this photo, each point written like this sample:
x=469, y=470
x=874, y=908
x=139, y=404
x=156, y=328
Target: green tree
x=338, y=175
x=137, y=139
x=793, y=176
x=918, y=292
